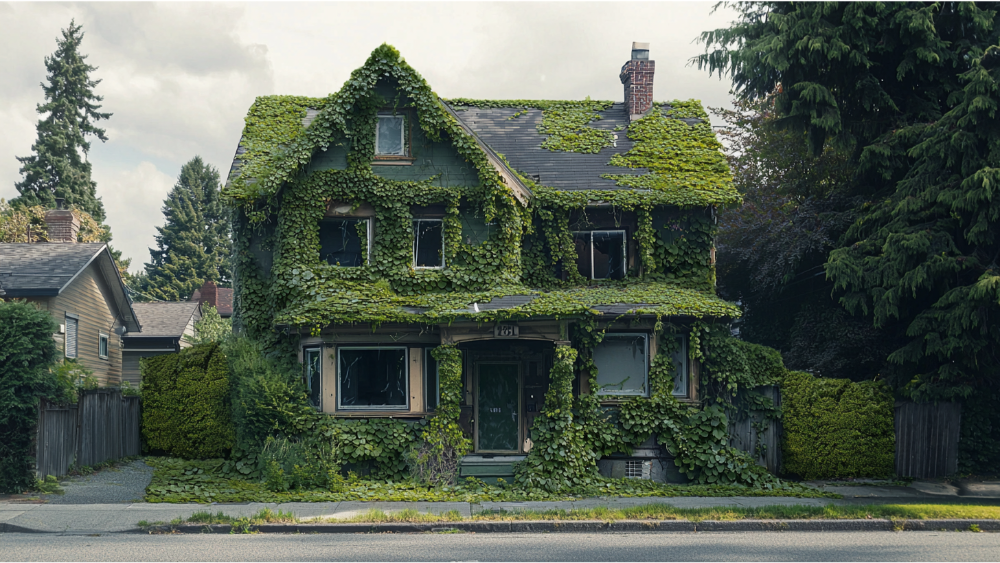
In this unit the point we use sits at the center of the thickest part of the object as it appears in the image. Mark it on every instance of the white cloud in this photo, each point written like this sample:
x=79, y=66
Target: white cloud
x=136, y=210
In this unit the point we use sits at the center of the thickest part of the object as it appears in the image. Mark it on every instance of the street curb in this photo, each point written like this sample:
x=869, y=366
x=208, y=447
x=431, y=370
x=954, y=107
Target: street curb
x=592, y=526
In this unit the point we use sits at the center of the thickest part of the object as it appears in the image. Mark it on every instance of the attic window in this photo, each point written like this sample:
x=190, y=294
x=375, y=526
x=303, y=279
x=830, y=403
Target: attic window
x=390, y=136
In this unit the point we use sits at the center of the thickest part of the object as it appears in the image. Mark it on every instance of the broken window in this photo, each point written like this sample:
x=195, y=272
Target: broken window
x=341, y=242
x=312, y=362
x=372, y=378
x=600, y=254
x=681, y=363
x=622, y=366
x=390, y=136
x=428, y=243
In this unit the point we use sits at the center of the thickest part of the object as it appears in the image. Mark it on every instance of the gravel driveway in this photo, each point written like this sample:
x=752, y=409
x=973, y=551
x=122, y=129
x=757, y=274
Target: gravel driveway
x=123, y=484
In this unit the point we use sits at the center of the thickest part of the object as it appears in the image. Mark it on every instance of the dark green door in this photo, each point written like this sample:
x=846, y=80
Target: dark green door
x=499, y=410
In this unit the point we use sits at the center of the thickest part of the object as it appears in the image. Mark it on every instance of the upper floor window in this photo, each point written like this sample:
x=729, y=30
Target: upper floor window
x=601, y=254
x=622, y=361
x=102, y=346
x=342, y=242
x=390, y=136
x=72, y=332
x=428, y=243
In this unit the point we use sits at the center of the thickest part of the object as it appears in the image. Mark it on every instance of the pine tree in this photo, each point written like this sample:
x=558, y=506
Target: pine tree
x=59, y=167
x=194, y=244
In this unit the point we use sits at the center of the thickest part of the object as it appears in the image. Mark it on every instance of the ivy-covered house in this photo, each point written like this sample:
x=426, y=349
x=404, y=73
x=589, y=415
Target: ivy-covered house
x=516, y=272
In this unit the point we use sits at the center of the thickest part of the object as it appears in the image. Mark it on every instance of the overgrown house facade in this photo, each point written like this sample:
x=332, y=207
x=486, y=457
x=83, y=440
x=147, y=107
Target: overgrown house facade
x=445, y=257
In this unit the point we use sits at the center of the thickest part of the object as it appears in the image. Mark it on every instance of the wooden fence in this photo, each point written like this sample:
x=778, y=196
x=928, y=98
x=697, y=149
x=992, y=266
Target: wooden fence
x=102, y=426
x=755, y=435
x=927, y=439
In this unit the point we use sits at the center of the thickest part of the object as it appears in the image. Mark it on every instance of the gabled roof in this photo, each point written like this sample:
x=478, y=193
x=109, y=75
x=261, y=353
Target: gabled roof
x=46, y=269
x=165, y=318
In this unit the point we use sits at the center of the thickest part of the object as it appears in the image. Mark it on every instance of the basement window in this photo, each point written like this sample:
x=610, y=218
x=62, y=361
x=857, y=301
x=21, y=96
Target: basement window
x=313, y=371
x=372, y=378
x=428, y=243
x=390, y=136
x=341, y=242
x=600, y=255
x=622, y=364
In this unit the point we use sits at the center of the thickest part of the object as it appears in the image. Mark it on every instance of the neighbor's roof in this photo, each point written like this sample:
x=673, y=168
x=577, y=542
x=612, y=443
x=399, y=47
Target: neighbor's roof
x=164, y=318
x=45, y=269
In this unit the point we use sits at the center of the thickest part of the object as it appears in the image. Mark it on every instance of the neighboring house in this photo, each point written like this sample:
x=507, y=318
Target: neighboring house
x=382, y=222
x=80, y=286
x=219, y=297
x=165, y=324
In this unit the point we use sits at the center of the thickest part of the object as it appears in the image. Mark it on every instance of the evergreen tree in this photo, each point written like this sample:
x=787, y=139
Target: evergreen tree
x=194, y=244
x=59, y=167
x=911, y=89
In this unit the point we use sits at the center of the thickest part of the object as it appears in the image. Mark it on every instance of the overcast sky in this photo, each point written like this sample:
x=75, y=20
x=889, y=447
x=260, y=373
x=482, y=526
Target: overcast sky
x=179, y=77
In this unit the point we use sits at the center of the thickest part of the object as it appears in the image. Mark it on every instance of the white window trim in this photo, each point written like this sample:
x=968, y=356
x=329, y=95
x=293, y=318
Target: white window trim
x=645, y=383
x=76, y=333
x=107, y=345
x=305, y=361
x=368, y=251
x=402, y=136
x=624, y=248
x=379, y=408
x=443, y=261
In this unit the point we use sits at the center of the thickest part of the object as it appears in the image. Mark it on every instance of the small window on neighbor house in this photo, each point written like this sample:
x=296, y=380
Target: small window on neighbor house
x=432, y=383
x=341, y=242
x=622, y=364
x=601, y=254
x=372, y=378
x=428, y=243
x=72, y=330
x=390, y=136
x=681, y=363
x=312, y=362
x=102, y=346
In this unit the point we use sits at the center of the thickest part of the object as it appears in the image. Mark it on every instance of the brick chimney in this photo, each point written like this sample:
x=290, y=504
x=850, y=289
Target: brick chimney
x=637, y=76
x=209, y=293
x=62, y=224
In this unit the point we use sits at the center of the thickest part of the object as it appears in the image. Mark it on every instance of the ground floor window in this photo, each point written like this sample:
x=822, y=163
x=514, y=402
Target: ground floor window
x=681, y=363
x=622, y=364
x=313, y=361
x=432, y=384
x=372, y=378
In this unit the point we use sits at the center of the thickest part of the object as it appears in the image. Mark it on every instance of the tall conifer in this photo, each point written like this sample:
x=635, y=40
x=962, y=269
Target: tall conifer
x=59, y=167
x=194, y=244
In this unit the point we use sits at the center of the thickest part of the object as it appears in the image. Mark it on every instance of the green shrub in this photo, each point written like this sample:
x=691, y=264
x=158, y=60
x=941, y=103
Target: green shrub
x=26, y=350
x=836, y=428
x=186, y=409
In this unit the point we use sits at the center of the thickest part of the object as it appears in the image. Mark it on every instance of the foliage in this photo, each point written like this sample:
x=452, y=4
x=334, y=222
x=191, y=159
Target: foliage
x=26, y=350
x=185, y=408
x=71, y=378
x=979, y=441
x=436, y=459
x=211, y=327
x=59, y=167
x=180, y=481
x=129, y=391
x=194, y=243
x=836, y=428
x=911, y=90
x=289, y=465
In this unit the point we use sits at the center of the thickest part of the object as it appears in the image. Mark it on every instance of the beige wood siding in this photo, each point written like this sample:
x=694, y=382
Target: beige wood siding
x=88, y=297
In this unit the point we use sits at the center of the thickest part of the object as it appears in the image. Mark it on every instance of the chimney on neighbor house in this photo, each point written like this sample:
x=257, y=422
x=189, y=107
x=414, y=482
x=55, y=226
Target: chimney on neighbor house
x=637, y=76
x=208, y=293
x=62, y=224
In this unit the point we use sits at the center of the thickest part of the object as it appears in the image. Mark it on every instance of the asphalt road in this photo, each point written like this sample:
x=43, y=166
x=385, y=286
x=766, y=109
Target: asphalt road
x=755, y=546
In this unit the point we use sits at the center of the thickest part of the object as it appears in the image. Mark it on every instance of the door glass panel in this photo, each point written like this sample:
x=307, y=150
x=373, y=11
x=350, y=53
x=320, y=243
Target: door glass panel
x=497, y=419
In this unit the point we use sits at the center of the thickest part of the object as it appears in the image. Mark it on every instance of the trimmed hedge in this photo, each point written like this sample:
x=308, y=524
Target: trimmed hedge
x=26, y=350
x=185, y=403
x=836, y=428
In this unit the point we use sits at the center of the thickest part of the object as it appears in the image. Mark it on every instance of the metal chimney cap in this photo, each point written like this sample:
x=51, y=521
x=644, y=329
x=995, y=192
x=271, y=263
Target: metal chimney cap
x=640, y=51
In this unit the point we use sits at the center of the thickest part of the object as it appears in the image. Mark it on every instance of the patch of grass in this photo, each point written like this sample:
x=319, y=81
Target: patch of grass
x=408, y=515
x=48, y=486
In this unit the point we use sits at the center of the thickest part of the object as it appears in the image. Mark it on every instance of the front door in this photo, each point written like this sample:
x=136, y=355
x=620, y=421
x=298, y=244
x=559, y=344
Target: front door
x=498, y=407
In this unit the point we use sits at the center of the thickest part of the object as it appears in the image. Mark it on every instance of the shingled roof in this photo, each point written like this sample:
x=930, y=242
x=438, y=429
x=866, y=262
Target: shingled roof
x=165, y=318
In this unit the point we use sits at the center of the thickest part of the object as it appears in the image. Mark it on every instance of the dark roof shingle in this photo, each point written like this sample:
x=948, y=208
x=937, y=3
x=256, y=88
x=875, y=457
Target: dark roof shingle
x=43, y=268
x=164, y=318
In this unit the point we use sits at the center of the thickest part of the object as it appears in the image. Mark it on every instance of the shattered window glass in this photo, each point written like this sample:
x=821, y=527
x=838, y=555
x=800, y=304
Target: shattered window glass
x=372, y=378
x=601, y=254
x=313, y=357
x=428, y=243
x=389, y=136
x=340, y=242
x=622, y=366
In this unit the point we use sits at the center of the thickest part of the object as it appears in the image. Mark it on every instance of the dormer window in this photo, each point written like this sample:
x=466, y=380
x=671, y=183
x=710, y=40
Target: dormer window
x=390, y=136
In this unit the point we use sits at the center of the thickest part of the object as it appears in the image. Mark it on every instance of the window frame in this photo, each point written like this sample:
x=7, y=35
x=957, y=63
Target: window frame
x=76, y=335
x=613, y=395
x=306, y=351
x=375, y=408
x=102, y=339
x=416, y=220
x=404, y=137
x=684, y=369
x=625, y=240
x=369, y=230
x=426, y=381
